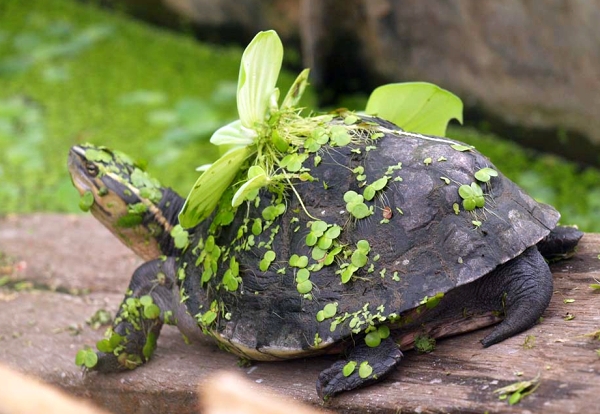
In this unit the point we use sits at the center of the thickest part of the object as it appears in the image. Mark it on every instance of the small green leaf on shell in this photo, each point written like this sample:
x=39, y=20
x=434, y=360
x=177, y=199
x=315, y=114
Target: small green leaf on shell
x=485, y=174
x=311, y=239
x=349, y=368
x=257, y=226
x=383, y=331
x=302, y=275
x=363, y=246
x=369, y=192
x=461, y=148
x=304, y=287
x=333, y=232
x=359, y=259
x=365, y=370
x=330, y=310
x=350, y=119
x=320, y=316
x=372, y=339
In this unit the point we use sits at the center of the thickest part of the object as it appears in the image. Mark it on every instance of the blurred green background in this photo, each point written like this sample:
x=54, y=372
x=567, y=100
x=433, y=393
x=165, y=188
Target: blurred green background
x=72, y=73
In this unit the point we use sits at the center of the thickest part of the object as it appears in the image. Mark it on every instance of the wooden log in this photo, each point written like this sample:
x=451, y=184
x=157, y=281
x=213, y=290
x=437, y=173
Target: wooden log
x=41, y=330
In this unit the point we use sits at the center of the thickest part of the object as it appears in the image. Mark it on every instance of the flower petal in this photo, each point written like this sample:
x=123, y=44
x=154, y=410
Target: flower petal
x=233, y=134
x=296, y=90
x=259, y=70
x=203, y=167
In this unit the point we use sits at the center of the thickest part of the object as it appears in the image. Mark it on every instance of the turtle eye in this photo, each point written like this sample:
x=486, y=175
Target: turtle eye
x=91, y=168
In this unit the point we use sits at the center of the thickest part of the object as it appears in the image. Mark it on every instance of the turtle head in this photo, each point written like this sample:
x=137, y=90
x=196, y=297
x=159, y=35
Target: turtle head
x=128, y=201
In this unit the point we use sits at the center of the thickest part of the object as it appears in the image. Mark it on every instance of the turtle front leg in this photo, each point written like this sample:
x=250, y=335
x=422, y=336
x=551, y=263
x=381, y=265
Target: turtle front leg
x=365, y=365
x=147, y=305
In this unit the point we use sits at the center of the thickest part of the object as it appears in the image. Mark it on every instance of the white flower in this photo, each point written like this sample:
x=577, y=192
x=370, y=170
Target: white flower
x=256, y=92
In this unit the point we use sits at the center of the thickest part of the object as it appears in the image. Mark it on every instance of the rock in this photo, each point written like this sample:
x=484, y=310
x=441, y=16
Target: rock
x=530, y=70
x=238, y=20
x=529, y=64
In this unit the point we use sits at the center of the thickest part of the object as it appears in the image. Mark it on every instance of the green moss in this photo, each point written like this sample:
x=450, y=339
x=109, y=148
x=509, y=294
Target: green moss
x=72, y=73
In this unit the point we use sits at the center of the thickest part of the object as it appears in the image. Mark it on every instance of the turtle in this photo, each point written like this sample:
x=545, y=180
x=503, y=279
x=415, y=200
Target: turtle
x=380, y=239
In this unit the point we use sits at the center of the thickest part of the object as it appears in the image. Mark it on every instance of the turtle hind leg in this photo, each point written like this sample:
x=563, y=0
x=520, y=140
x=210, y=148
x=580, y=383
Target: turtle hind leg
x=560, y=243
x=382, y=359
x=146, y=307
x=524, y=285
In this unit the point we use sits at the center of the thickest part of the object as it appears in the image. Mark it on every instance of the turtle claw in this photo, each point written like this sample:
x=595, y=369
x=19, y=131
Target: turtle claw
x=382, y=359
x=107, y=363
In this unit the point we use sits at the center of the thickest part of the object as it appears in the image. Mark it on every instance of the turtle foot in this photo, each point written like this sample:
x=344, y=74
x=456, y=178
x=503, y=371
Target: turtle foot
x=370, y=366
x=526, y=286
x=107, y=363
x=560, y=243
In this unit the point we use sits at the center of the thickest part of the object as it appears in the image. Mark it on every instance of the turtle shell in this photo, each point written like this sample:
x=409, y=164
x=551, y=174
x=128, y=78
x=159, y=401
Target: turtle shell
x=422, y=242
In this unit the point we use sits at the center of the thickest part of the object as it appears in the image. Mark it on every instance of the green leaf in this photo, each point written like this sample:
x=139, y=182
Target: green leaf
x=304, y=287
x=379, y=184
x=333, y=232
x=208, y=317
x=104, y=346
x=369, y=192
x=416, y=106
x=383, y=331
x=515, y=398
x=360, y=211
x=151, y=312
x=257, y=226
x=318, y=227
x=461, y=148
x=115, y=340
x=302, y=275
x=320, y=316
x=233, y=134
x=318, y=253
x=485, y=174
x=257, y=182
x=259, y=70
x=180, y=237
x=146, y=300
x=365, y=369
x=296, y=90
x=359, y=259
x=209, y=188
x=372, y=339
x=86, y=357
x=330, y=310
x=86, y=201
x=324, y=242
x=311, y=239
x=363, y=246
x=349, y=368
x=340, y=136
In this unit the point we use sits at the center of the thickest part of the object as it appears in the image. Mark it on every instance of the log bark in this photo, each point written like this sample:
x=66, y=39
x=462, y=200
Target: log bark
x=43, y=324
